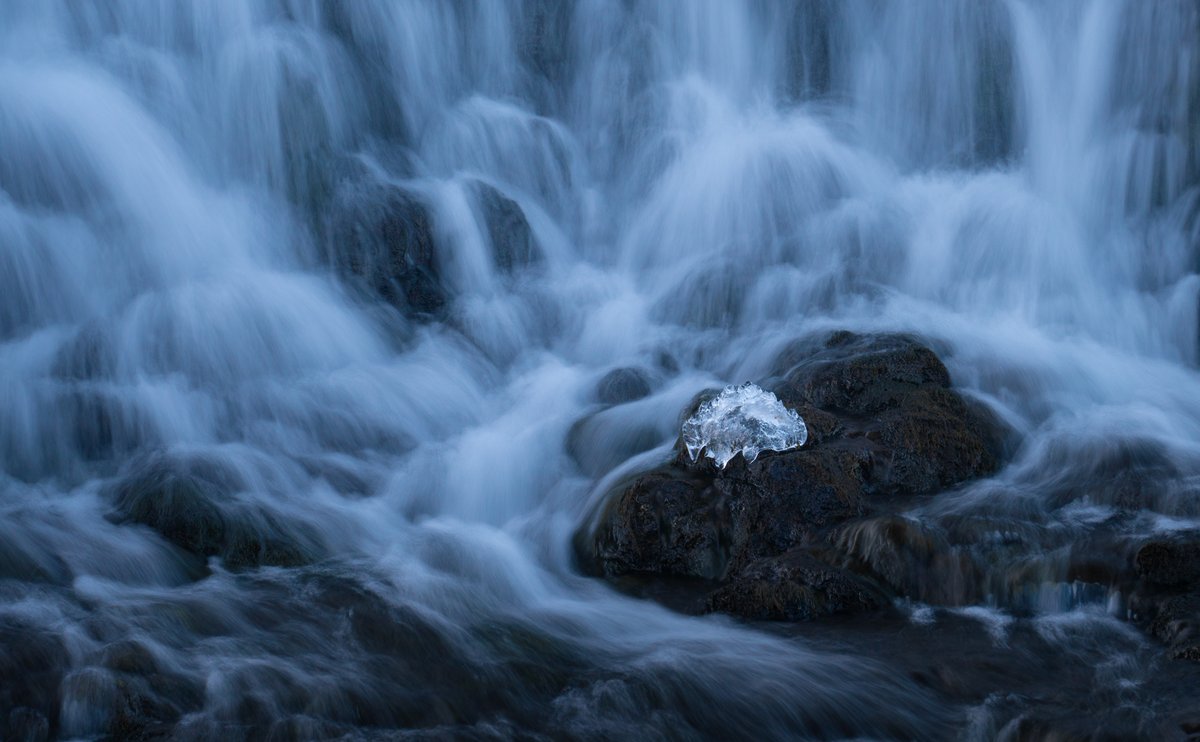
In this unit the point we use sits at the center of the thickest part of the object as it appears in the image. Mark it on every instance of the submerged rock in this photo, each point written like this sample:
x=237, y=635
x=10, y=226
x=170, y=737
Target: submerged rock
x=382, y=241
x=33, y=662
x=513, y=244
x=622, y=385
x=764, y=531
x=194, y=504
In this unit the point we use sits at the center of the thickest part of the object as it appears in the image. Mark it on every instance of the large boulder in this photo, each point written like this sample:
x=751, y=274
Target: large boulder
x=772, y=535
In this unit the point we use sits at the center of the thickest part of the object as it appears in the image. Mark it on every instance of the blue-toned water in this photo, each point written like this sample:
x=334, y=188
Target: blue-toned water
x=703, y=182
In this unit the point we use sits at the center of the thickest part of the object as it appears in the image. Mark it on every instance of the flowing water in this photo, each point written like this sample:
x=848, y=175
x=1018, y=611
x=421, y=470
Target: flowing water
x=1016, y=180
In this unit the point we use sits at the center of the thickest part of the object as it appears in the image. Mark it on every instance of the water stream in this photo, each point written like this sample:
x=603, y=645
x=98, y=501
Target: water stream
x=1016, y=180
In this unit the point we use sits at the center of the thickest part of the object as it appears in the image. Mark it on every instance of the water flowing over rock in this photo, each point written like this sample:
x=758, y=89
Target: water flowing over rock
x=759, y=527
x=346, y=346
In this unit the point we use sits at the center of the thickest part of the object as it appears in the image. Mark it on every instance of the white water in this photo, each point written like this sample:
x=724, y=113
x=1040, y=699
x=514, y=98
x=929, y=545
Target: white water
x=1017, y=180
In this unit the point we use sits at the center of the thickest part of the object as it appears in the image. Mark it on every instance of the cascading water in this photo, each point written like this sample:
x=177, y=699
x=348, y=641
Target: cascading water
x=256, y=482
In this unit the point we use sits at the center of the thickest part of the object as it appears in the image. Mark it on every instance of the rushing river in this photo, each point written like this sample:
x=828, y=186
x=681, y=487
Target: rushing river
x=704, y=181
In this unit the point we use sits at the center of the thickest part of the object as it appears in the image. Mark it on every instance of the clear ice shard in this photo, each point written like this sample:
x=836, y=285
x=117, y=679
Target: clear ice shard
x=742, y=419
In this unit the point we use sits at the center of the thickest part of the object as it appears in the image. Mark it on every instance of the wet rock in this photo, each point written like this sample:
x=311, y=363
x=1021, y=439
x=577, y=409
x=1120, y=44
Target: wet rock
x=912, y=558
x=1129, y=474
x=26, y=725
x=665, y=525
x=1177, y=622
x=128, y=707
x=129, y=656
x=1171, y=562
x=862, y=374
x=381, y=239
x=22, y=558
x=194, y=504
x=623, y=385
x=543, y=44
x=884, y=425
x=785, y=499
x=935, y=439
x=602, y=440
x=32, y=664
x=513, y=245
x=794, y=587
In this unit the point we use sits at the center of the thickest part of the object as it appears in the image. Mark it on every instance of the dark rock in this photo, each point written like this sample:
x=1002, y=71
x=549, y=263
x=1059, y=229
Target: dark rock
x=26, y=725
x=600, y=441
x=194, y=504
x=862, y=374
x=785, y=499
x=935, y=439
x=822, y=426
x=883, y=424
x=544, y=40
x=129, y=656
x=1171, y=562
x=910, y=557
x=32, y=664
x=623, y=385
x=513, y=245
x=664, y=525
x=134, y=699
x=1177, y=621
x=1126, y=473
x=794, y=587
x=382, y=239
x=672, y=525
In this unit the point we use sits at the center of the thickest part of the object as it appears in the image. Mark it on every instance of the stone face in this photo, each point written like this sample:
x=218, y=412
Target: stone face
x=935, y=439
x=860, y=375
x=382, y=240
x=1171, y=562
x=794, y=587
x=513, y=245
x=1167, y=599
x=776, y=535
x=663, y=525
x=33, y=662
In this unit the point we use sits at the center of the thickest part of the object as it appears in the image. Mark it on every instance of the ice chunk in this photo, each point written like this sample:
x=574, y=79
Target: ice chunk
x=742, y=419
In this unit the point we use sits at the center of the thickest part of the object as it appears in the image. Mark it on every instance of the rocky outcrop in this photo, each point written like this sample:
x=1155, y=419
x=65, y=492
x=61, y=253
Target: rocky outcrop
x=770, y=535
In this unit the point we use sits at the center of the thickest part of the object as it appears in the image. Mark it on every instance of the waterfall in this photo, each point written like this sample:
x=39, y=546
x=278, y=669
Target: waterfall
x=378, y=458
